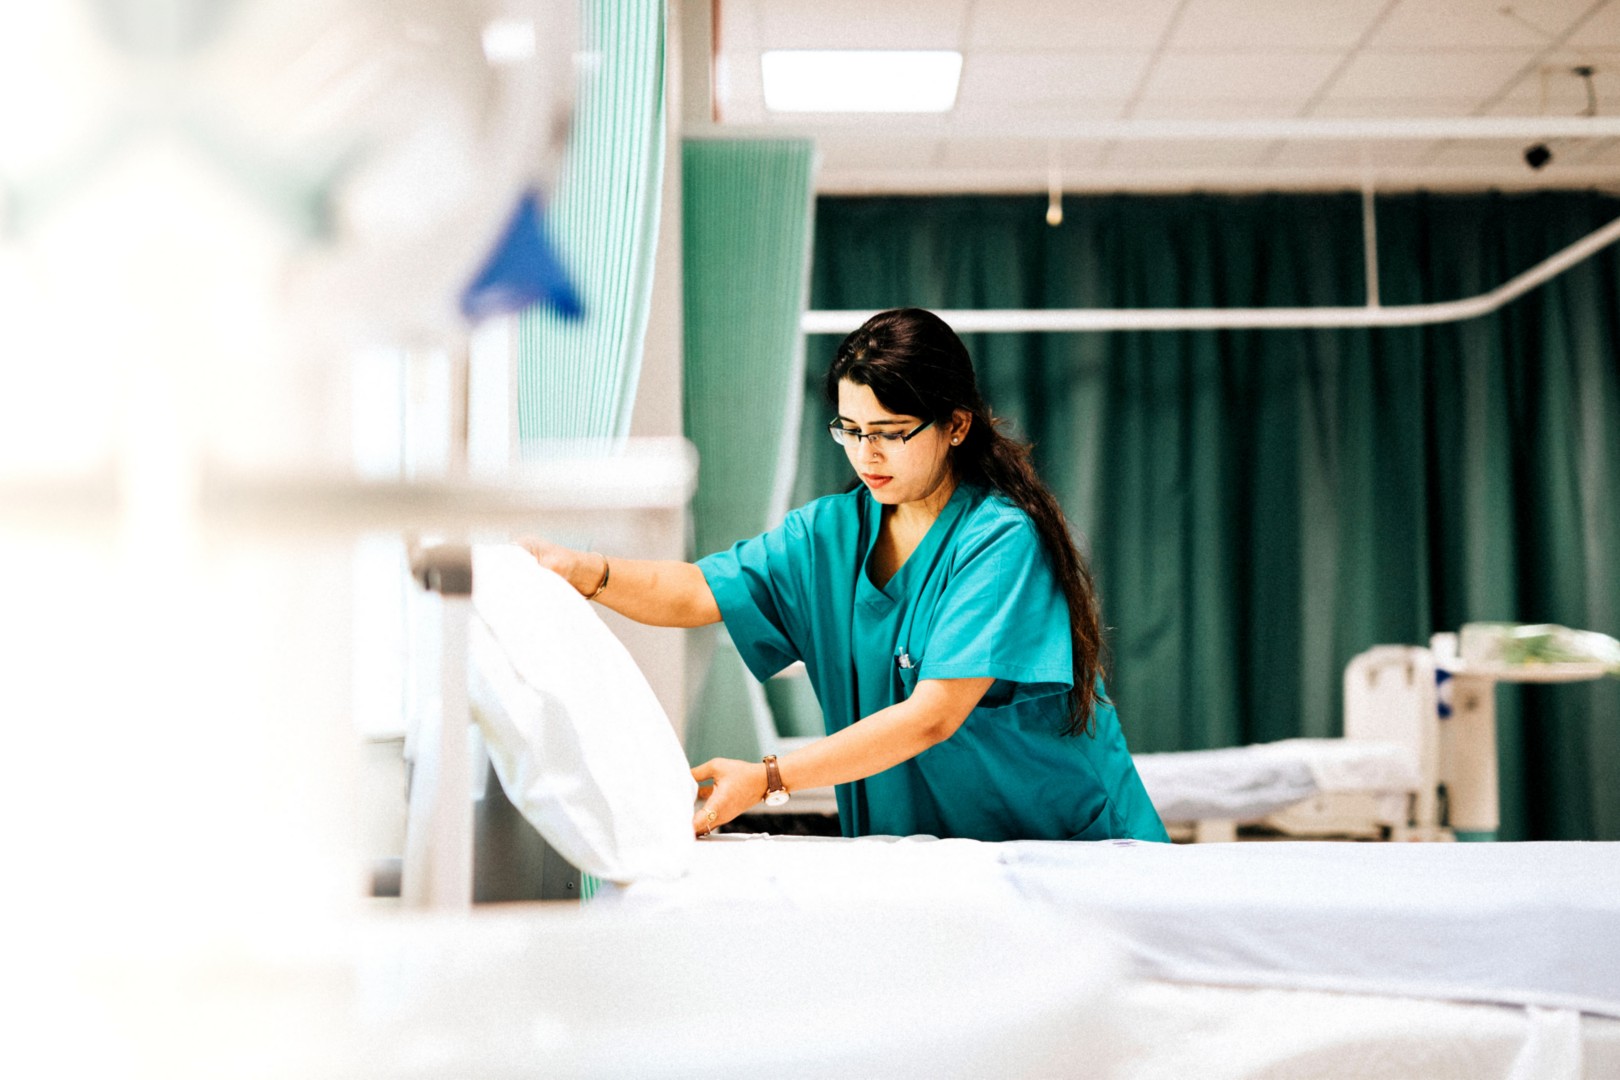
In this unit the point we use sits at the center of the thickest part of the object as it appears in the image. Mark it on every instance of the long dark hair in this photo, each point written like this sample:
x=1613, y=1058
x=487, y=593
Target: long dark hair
x=915, y=365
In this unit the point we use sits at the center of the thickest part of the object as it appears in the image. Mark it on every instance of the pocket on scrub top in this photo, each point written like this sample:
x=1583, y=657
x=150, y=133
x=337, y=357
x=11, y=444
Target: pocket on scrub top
x=906, y=667
x=908, y=681
x=1100, y=827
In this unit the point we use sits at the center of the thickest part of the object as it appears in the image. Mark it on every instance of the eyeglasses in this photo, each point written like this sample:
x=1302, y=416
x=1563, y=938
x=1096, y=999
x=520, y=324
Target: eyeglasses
x=885, y=440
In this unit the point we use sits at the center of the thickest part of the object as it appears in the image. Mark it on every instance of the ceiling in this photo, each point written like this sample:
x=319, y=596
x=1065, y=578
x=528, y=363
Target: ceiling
x=1084, y=90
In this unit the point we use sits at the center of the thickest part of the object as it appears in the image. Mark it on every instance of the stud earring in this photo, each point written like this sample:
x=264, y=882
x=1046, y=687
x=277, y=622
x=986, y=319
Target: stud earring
x=955, y=441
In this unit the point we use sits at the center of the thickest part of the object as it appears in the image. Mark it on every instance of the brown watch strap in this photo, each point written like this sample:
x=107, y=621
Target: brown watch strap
x=773, y=775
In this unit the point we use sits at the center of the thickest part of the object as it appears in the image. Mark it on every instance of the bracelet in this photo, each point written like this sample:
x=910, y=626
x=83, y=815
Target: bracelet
x=605, y=571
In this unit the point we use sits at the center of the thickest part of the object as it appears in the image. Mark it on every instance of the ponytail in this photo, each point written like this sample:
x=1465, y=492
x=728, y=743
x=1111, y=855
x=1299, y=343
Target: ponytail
x=995, y=460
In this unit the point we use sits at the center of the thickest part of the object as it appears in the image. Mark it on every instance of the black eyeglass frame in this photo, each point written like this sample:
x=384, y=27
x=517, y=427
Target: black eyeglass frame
x=836, y=430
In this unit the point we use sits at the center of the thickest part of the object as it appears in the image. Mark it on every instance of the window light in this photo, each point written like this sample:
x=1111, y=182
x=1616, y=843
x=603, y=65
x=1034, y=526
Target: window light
x=860, y=80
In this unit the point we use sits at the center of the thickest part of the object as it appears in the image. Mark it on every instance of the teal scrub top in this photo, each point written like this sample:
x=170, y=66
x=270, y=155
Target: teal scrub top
x=977, y=598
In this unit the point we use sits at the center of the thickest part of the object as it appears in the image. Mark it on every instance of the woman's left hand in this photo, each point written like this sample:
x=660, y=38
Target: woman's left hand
x=737, y=785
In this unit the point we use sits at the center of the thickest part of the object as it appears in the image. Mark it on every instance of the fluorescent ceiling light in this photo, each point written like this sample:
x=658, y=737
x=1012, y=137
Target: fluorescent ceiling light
x=860, y=80
x=508, y=41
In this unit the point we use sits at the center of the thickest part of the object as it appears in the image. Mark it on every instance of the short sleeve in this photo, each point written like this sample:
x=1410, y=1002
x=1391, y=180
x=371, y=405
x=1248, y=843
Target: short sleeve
x=759, y=586
x=1002, y=615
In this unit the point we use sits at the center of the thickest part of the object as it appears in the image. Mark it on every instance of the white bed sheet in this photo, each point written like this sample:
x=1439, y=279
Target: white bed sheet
x=545, y=991
x=1176, y=1030
x=1516, y=924
x=1246, y=783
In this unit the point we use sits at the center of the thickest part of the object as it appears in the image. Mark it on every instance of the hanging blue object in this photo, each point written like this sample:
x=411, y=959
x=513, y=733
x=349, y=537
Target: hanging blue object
x=522, y=270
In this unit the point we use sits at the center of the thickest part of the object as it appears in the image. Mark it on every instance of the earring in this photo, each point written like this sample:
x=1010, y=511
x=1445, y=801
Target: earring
x=955, y=441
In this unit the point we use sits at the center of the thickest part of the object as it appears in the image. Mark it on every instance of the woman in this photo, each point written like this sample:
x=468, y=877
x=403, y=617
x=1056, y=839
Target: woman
x=945, y=617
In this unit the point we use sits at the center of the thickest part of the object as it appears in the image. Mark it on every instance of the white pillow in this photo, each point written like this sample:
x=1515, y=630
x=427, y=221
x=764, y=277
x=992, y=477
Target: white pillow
x=581, y=745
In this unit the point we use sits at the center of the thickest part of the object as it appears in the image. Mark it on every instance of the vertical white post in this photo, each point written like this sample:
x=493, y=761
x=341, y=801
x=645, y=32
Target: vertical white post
x=492, y=399
x=1369, y=240
x=437, y=871
x=1468, y=756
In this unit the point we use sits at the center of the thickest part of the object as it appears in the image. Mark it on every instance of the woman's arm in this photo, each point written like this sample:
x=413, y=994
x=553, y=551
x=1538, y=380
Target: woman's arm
x=654, y=592
x=933, y=712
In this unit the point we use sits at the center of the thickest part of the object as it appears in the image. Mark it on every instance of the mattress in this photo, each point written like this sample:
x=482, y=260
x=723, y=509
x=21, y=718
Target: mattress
x=1247, y=783
x=526, y=991
x=1175, y=1030
x=1508, y=924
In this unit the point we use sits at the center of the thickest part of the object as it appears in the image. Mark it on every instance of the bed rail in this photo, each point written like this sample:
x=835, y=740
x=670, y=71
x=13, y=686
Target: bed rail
x=438, y=860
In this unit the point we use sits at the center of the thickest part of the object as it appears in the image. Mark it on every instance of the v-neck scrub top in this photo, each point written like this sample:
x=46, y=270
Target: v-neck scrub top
x=976, y=599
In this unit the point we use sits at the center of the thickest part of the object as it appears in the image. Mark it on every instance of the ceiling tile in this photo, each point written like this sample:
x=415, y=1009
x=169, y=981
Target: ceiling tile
x=1450, y=24
x=1050, y=62
x=1076, y=156
x=1288, y=79
x=1185, y=155
x=1018, y=154
x=1379, y=108
x=1350, y=156
x=1601, y=31
x=1567, y=155
x=1440, y=74
x=1211, y=108
x=1283, y=24
x=1603, y=152
x=1498, y=154
x=846, y=153
x=1557, y=91
x=1032, y=116
x=864, y=24
x=1058, y=80
x=1091, y=25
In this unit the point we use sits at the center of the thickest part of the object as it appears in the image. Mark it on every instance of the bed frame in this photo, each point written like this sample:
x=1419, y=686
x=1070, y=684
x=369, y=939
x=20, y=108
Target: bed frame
x=1442, y=709
x=1391, y=696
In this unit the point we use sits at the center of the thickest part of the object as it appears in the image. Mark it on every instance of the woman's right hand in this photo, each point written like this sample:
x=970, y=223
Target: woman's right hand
x=574, y=567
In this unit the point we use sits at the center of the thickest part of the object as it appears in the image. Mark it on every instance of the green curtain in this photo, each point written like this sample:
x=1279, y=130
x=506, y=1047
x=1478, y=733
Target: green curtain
x=746, y=223
x=1260, y=506
x=577, y=380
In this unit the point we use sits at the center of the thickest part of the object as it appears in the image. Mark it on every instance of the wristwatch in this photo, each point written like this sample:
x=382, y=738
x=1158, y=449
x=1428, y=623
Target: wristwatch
x=775, y=793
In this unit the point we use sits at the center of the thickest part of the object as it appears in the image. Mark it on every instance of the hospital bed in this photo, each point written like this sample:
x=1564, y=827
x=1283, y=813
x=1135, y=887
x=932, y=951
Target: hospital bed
x=1417, y=760
x=914, y=958
x=1296, y=959
x=1218, y=960
x=1381, y=781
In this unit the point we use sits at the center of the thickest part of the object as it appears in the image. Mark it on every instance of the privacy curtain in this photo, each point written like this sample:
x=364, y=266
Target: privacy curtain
x=577, y=379
x=1260, y=506
x=746, y=224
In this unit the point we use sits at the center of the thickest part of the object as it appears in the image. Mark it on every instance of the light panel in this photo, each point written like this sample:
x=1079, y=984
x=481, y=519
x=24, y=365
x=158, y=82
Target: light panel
x=860, y=80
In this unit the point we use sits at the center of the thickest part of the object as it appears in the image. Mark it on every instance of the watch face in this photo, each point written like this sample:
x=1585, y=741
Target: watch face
x=776, y=798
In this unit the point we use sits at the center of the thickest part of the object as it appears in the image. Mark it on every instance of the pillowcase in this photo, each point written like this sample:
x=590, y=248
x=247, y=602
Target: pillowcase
x=580, y=743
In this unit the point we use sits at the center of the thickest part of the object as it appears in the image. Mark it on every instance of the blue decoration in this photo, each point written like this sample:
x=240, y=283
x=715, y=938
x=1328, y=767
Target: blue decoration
x=522, y=270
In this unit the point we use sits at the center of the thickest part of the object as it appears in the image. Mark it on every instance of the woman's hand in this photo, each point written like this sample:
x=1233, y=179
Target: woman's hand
x=736, y=786
x=581, y=569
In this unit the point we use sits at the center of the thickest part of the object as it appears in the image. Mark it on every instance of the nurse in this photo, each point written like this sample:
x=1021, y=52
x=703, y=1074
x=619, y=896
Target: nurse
x=946, y=619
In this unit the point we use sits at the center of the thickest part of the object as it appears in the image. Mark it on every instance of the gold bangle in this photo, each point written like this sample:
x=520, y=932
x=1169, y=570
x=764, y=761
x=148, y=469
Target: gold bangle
x=599, y=588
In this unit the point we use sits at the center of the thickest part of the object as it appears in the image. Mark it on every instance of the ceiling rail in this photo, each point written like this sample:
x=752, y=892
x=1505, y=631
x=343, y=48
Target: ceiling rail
x=1081, y=320
x=1312, y=129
